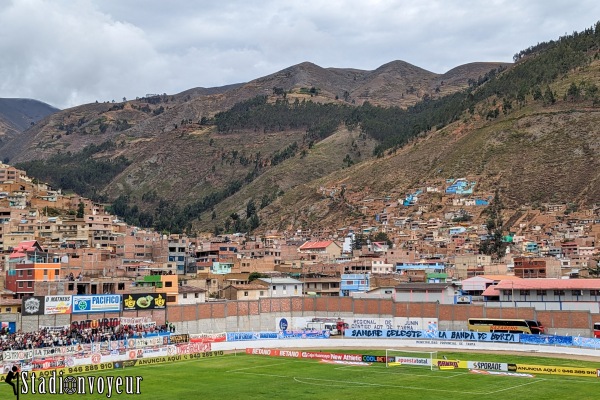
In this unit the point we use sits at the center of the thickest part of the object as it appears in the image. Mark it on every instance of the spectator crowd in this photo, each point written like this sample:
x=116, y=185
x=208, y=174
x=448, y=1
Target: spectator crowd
x=68, y=336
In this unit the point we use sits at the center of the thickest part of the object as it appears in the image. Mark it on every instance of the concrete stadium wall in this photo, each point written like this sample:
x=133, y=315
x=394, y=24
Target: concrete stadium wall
x=260, y=315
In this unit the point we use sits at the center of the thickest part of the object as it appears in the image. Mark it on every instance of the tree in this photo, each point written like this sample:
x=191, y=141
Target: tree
x=573, y=92
x=593, y=268
x=255, y=275
x=383, y=237
x=250, y=208
x=493, y=244
x=80, y=210
x=549, y=97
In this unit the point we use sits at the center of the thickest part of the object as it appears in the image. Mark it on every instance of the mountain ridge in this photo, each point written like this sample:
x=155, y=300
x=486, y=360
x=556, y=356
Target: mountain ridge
x=307, y=145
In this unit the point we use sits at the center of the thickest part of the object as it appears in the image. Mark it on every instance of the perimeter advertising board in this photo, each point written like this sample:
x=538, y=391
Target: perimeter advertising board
x=144, y=301
x=57, y=305
x=84, y=304
x=33, y=305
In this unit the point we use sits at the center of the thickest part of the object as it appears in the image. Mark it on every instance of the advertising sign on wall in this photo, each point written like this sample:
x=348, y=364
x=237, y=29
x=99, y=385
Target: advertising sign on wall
x=57, y=305
x=401, y=323
x=83, y=304
x=144, y=301
x=33, y=305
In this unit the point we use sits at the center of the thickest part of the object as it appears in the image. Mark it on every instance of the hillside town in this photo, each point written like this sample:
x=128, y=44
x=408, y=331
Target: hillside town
x=400, y=249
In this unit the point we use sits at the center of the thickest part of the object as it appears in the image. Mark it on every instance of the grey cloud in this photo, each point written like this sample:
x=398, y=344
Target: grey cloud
x=67, y=53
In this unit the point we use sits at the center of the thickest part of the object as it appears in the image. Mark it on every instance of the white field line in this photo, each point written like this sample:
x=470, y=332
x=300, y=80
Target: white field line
x=516, y=386
x=330, y=382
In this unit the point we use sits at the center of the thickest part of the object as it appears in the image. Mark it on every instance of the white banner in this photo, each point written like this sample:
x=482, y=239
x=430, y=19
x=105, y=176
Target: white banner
x=399, y=323
x=135, y=320
x=59, y=350
x=17, y=355
x=151, y=341
x=57, y=305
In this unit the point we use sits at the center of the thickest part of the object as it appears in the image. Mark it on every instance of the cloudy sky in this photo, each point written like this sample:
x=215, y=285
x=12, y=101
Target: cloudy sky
x=67, y=52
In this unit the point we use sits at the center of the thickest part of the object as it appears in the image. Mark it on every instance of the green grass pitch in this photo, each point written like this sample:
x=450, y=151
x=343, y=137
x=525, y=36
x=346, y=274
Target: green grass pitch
x=241, y=376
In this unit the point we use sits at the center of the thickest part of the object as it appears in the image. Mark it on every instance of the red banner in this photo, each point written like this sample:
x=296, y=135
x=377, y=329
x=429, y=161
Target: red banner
x=208, y=337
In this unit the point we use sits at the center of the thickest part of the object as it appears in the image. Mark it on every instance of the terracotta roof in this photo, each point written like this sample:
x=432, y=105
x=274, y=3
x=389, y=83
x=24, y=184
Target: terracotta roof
x=501, y=277
x=544, y=284
x=250, y=286
x=490, y=291
x=10, y=302
x=316, y=245
x=16, y=255
x=191, y=289
x=405, y=287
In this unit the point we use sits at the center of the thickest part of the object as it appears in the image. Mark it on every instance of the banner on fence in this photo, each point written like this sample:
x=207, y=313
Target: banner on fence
x=58, y=350
x=179, y=338
x=54, y=327
x=448, y=335
x=313, y=334
x=590, y=343
x=136, y=320
x=208, y=337
x=546, y=339
x=17, y=355
x=151, y=341
x=95, y=323
x=188, y=348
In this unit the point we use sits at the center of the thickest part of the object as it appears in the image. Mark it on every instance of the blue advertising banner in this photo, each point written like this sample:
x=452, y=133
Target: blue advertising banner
x=309, y=334
x=590, y=343
x=549, y=340
x=314, y=334
x=448, y=335
x=241, y=336
x=84, y=304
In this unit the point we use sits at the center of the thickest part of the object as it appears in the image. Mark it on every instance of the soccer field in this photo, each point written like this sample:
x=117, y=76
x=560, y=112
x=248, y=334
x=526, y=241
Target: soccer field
x=241, y=376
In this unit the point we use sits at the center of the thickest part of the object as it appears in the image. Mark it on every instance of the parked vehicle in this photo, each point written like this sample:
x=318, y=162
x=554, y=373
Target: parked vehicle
x=335, y=326
x=597, y=329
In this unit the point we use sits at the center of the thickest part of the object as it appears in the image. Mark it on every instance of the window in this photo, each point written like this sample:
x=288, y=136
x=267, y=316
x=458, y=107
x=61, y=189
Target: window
x=71, y=286
x=121, y=286
x=506, y=292
x=57, y=272
x=262, y=293
x=7, y=309
x=20, y=284
x=171, y=299
x=577, y=292
x=196, y=295
x=524, y=292
x=284, y=288
x=594, y=292
x=29, y=284
x=541, y=292
x=168, y=284
x=20, y=273
x=245, y=294
x=559, y=292
x=185, y=295
x=274, y=288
